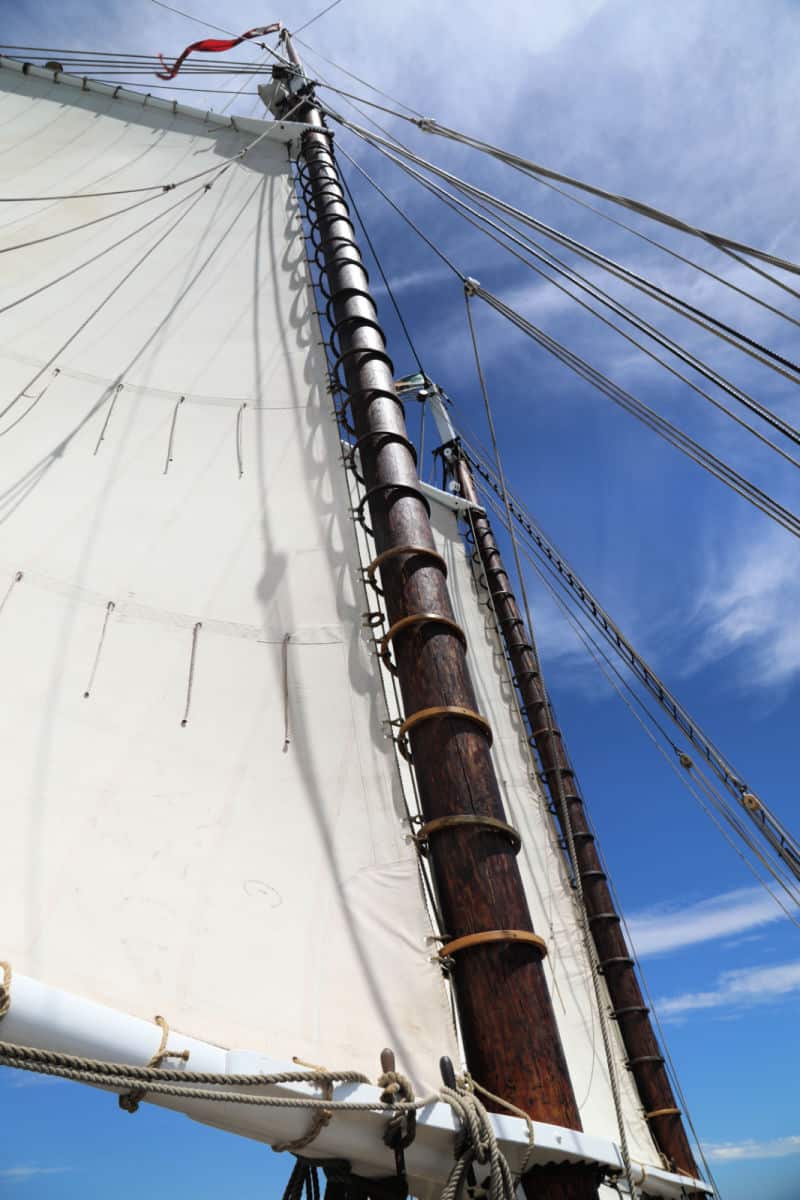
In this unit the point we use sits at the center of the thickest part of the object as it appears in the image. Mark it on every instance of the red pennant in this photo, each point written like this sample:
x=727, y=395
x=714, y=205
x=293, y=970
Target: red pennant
x=214, y=46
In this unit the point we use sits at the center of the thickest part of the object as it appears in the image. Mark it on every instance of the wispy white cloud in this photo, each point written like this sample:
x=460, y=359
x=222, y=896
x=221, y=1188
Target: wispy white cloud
x=737, y=1151
x=737, y=990
x=748, y=606
x=666, y=928
x=26, y=1173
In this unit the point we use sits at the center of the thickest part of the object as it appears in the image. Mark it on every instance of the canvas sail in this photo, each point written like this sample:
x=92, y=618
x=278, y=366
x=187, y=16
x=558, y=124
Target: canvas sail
x=260, y=893
x=218, y=831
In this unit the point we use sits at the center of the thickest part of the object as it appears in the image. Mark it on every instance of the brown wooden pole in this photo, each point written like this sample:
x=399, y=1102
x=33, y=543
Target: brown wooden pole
x=511, y=1037
x=628, y=1008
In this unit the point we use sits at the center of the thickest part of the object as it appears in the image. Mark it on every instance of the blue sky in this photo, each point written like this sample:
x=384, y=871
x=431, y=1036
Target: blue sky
x=690, y=106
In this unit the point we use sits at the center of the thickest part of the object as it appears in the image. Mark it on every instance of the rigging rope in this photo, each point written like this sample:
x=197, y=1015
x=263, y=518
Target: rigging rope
x=620, y=685
x=648, y=417
x=658, y=424
x=389, y=289
x=456, y=204
x=780, y=840
x=704, y=320
x=718, y=240
x=316, y=18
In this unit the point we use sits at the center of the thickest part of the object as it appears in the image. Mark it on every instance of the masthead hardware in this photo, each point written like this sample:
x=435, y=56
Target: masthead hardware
x=509, y=1027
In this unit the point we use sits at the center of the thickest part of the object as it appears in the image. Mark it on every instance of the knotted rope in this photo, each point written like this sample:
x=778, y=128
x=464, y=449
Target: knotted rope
x=401, y=1129
x=130, y=1101
x=320, y=1119
x=477, y=1143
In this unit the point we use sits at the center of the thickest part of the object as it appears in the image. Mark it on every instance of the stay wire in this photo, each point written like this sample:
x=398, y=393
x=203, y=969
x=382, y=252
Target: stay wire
x=704, y=320
x=571, y=586
x=500, y=472
x=543, y=567
x=681, y=441
x=715, y=239
x=653, y=420
x=364, y=83
x=546, y=182
x=538, y=252
x=685, y=782
x=689, y=262
x=402, y=213
x=315, y=18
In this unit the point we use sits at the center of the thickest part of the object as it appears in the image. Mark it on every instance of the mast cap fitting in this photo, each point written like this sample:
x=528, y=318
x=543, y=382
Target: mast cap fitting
x=471, y=286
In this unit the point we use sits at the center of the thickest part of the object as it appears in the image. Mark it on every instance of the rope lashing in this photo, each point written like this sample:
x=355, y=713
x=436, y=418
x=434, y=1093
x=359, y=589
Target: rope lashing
x=190, y=681
x=319, y=1120
x=471, y=1084
x=5, y=989
x=401, y=1130
x=285, y=663
x=130, y=1101
x=109, y=610
x=239, y=453
x=171, y=441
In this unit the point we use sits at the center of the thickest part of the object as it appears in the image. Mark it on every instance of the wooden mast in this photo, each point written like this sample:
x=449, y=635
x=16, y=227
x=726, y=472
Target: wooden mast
x=511, y=1038
x=628, y=1008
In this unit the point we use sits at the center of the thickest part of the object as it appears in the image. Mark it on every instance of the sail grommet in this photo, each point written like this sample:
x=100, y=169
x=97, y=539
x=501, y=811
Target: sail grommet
x=459, y=820
x=410, y=622
x=524, y=936
x=430, y=714
x=394, y=552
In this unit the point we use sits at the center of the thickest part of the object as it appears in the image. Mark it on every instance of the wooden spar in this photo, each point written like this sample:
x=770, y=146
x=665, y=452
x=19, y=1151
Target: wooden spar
x=629, y=1010
x=511, y=1038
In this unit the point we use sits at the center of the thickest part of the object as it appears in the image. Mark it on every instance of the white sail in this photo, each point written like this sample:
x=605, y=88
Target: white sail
x=258, y=892
x=217, y=831
x=551, y=899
